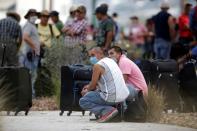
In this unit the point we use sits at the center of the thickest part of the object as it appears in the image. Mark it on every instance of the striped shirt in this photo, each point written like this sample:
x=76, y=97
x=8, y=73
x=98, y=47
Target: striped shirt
x=10, y=31
x=111, y=84
x=79, y=27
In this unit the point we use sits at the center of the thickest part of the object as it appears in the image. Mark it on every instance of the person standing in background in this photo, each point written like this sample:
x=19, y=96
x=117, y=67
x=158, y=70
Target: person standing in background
x=164, y=32
x=117, y=28
x=76, y=36
x=76, y=33
x=30, y=49
x=105, y=33
x=10, y=39
x=149, y=40
x=55, y=18
x=185, y=34
x=71, y=17
x=138, y=33
x=46, y=31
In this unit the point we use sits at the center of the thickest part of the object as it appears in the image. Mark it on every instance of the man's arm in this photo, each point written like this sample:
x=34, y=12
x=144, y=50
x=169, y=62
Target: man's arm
x=172, y=28
x=97, y=71
x=29, y=41
x=109, y=38
x=79, y=28
x=65, y=29
x=125, y=77
x=20, y=37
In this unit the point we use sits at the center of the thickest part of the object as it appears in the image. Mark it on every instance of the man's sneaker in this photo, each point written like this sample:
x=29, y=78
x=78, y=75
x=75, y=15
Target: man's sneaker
x=95, y=119
x=108, y=116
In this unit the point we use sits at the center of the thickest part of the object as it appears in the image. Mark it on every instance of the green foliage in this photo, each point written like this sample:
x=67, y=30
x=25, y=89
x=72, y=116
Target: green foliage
x=48, y=81
x=44, y=85
x=132, y=51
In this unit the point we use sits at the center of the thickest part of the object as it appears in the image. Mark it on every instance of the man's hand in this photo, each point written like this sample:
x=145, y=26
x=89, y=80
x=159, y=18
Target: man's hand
x=65, y=29
x=84, y=90
x=70, y=33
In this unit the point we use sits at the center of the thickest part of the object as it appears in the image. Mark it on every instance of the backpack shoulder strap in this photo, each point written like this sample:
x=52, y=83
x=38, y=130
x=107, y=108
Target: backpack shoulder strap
x=51, y=30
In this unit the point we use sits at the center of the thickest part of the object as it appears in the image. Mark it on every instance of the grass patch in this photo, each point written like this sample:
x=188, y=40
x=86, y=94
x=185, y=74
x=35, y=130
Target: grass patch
x=156, y=104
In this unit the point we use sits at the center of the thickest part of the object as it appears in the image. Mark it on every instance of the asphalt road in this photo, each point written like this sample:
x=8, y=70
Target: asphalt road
x=51, y=121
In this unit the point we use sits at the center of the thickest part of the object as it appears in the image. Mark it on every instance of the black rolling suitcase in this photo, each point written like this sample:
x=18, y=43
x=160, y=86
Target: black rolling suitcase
x=146, y=69
x=137, y=109
x=73, y=79
x=188, y=86
x=165, y=78
x=16, y=83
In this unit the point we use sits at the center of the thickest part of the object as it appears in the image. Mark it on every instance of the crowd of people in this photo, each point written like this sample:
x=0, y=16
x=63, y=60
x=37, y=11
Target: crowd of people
x=115, y=77
x=164, y=32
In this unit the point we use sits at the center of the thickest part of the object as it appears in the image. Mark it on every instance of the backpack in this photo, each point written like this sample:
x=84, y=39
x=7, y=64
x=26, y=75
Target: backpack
x=136, y=109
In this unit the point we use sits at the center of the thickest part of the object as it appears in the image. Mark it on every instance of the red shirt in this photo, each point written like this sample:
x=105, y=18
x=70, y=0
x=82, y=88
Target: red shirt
x=184, y=21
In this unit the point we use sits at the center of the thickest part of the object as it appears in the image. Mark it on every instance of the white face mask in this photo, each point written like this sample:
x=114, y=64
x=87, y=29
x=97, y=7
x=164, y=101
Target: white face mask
x=33, y=19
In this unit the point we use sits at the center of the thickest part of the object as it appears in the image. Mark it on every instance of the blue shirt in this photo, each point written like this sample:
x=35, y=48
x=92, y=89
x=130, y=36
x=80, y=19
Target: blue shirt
x=194, y=52
x=192, y=24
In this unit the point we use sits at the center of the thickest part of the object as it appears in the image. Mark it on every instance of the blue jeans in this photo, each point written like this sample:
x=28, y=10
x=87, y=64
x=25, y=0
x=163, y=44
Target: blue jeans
x=32, y=66
x=93, y=102
x=132, y=91
x=162, y=48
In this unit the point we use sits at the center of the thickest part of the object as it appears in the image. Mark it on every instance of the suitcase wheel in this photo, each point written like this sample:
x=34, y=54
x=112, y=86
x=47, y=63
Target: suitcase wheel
x=16, y=113
x=8, y=113
x=69, y=113
x=61, y=113
x=83, y=113
x=26, y=112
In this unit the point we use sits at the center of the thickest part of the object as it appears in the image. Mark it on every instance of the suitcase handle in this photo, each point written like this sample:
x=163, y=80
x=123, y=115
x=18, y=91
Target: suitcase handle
x=79, y=65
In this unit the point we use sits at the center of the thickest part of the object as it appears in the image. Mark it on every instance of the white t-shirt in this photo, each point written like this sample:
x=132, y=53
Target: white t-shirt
x=111, y=84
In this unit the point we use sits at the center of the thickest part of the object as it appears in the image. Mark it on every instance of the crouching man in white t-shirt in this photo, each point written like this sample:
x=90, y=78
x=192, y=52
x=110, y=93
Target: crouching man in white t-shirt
x=106, y=89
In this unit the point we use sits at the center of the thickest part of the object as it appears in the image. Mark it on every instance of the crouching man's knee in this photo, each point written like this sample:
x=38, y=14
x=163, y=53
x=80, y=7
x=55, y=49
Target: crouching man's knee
x=83, y=103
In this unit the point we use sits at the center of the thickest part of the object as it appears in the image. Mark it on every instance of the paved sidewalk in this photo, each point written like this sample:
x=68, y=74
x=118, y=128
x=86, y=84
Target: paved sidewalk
x=51, y=121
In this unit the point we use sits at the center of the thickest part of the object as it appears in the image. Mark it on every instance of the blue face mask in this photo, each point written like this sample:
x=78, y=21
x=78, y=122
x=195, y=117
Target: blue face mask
x=93, y=60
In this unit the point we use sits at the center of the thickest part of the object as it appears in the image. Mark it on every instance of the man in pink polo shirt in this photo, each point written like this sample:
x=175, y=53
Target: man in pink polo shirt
x=131, y=72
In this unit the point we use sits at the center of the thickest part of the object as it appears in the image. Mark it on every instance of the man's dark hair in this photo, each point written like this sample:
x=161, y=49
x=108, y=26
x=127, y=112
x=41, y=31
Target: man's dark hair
x=102, y=10
x=188, y=5
x=116, y=49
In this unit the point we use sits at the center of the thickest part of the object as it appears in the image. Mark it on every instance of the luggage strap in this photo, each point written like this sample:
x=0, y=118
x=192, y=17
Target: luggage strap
x=3, y=55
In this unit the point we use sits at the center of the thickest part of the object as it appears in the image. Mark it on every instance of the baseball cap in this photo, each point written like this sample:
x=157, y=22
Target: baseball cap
x=54, y=13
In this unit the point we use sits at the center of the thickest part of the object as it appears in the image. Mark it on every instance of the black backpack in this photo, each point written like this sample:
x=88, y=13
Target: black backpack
x=136, y=109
